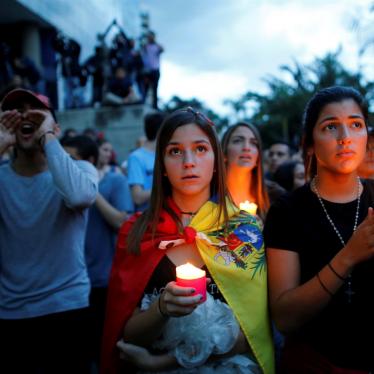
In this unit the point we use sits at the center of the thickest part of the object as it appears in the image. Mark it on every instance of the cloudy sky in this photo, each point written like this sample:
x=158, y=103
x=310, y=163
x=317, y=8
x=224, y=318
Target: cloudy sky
x=219, y=49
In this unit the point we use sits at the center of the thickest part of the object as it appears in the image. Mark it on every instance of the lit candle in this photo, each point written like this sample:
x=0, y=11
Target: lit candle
x=191, y=276
x=251, y=208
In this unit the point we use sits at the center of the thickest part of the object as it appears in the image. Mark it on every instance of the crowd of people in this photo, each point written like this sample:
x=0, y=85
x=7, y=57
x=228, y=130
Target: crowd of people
x=17, y=70
x=126, y=72
x=89, y=246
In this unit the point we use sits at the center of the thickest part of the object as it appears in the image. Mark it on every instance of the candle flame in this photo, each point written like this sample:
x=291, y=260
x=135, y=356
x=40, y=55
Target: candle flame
x=188, y=271
x=249, y=207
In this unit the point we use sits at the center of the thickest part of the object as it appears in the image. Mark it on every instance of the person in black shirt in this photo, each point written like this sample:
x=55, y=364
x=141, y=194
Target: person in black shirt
x=320, y=245
x=120, y=89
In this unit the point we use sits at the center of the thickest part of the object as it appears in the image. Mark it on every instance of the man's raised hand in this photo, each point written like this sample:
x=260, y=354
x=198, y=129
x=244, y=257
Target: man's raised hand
x=9, y=122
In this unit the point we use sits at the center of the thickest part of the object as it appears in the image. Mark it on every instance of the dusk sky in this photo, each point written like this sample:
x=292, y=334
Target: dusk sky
x=219, y=49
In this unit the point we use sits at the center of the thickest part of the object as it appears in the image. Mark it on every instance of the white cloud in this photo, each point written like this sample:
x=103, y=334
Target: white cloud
x=218, y=49
x=211, y=87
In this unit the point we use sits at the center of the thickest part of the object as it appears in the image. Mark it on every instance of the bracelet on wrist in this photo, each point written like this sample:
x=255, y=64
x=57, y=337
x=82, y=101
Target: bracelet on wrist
x=163, y=314
x=323, y=286
x=335, y=272
x=41, y=140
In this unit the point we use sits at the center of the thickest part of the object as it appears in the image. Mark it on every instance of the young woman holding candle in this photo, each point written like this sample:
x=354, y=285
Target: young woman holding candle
x=320, y=245
x=190, y=219
x=241, y=145
x=290, y=175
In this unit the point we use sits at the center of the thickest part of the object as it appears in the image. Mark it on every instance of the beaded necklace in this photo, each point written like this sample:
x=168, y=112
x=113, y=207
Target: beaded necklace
x=349, y=292
x=187, y=217
x=192, y=214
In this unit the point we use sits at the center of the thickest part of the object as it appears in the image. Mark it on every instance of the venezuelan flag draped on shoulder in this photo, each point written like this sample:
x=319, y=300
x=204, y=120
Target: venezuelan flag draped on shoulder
x=234, y=255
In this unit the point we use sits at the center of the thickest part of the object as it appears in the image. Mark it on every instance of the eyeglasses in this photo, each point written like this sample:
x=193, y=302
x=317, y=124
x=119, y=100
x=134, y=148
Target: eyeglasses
x=199, y=114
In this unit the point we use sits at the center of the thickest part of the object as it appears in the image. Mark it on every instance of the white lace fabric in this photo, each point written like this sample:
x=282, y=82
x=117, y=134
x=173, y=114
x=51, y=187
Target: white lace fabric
x=211, y=329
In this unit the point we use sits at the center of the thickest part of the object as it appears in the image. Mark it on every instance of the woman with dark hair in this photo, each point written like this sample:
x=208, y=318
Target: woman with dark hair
x=105, y=159
x=320, y=244
x=242, y=148
x=190, y=219
x=366, y=169
x=290, y=175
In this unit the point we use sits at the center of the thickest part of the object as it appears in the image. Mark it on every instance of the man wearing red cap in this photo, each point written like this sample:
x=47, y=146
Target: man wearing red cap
x=44, y=285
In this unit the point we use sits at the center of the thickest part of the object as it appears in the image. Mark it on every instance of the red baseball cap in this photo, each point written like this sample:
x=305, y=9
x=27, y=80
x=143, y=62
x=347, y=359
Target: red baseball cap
x=15, y=97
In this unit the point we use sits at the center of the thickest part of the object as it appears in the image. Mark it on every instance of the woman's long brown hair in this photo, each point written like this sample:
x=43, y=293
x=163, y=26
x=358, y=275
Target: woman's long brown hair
x=162, y=188
x=314, y=107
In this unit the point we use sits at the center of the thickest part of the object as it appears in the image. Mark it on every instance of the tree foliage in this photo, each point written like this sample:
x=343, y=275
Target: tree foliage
x=178, y=103
x=278, y=114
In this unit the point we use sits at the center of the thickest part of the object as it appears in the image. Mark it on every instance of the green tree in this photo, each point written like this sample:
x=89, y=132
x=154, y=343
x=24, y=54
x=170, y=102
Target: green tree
x=278, y=114
x=178, y=103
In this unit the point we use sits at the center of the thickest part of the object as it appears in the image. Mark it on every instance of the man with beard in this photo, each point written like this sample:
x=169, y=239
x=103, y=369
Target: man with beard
x=44, y=287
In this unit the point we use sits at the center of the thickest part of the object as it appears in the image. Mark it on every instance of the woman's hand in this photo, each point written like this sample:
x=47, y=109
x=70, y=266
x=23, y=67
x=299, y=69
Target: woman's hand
x=143, y=359
x=144, y=327
x=360, y=246
x=176, y=301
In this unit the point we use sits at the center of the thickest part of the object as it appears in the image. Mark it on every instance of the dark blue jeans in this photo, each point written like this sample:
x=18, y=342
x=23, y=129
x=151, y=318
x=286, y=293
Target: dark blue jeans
x=151, y=82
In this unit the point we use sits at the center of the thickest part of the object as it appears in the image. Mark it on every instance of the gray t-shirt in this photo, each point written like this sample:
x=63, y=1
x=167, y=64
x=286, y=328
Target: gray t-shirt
x=42, y=228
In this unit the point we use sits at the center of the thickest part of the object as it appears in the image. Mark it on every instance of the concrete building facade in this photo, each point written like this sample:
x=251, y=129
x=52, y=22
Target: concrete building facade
x=29, y=28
